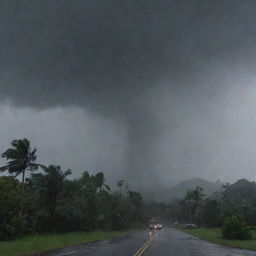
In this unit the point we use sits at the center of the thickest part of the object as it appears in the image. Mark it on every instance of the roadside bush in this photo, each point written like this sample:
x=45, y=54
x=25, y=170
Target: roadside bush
x=236, y=228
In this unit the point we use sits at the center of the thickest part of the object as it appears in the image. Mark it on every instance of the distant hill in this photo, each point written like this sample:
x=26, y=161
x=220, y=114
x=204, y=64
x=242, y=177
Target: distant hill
x=240, y=191
x=237, y=192
x=179, y=191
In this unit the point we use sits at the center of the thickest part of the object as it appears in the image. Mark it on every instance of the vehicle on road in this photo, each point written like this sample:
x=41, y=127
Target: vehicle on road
x=155, y=224
x=190, y=225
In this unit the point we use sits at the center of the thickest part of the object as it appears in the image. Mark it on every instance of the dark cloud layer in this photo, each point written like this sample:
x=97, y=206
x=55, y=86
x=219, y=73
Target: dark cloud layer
x=117, y=59
x=86, y=52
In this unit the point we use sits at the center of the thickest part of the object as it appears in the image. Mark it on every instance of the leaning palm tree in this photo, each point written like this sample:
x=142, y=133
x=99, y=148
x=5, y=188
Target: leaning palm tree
x=100, y=181
x=20, y=159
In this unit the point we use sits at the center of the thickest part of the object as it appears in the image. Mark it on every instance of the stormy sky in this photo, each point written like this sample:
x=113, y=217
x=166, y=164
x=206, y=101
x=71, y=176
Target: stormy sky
x=150, y=91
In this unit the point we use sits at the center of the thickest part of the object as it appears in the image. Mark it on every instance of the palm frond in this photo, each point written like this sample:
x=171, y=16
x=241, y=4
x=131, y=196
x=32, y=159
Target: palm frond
x=106, y=187
x=21, y=157
x=33, y=166
x=42, y=166
x=4, y=168
x=67, y=172
x=10, y=153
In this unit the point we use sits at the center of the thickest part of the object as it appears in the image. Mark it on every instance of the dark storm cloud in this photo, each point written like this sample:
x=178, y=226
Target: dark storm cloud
x=85, y=52
x=115, y=57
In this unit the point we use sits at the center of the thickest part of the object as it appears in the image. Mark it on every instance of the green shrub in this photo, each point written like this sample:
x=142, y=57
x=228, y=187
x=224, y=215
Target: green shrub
x=236, y=228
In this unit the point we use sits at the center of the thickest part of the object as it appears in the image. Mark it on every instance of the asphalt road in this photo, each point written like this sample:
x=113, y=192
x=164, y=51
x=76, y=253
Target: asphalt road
x=166, y=242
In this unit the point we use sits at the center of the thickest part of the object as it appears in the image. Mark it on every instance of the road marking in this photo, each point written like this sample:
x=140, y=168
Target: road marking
x=144, y=246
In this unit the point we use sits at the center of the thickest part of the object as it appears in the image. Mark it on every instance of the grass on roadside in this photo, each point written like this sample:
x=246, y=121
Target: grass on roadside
x=40, y=243
x=214, y=235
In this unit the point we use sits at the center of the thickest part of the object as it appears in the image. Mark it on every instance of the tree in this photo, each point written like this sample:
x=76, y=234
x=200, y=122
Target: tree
x=135, y=201
x=89, y=186
x=10, y=199
x=212, y=213
x=119, y=215
x=49, y=186
x=120, y=184
x=20, y=159
x=191, y=204
x=100, y=181
x=54, y=180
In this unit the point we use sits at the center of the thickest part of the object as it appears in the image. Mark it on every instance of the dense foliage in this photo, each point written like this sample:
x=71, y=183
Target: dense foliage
x=47, y=201
x=233, y=209
x=236, y=228
x=10, y=199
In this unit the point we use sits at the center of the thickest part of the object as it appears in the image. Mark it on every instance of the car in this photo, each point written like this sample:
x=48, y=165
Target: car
x=190, y=225
x=155, y=224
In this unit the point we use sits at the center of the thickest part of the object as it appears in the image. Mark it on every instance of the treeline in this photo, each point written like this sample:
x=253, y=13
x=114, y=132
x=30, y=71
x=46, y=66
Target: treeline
x=47, y=201
x=35, y=198
x=212, y=211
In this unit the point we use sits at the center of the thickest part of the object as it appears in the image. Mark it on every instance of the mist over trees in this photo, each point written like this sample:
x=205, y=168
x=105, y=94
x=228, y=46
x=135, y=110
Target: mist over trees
x=233, y=209
x=47, y=201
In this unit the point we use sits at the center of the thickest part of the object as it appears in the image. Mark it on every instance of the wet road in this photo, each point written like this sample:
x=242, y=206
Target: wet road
x=166, y=242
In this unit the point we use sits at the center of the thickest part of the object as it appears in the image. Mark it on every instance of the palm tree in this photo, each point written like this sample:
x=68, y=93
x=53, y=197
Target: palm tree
x=120, y=184
x=100, y=181
x=20, y=159
x=53, y=183
x=49, y=186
